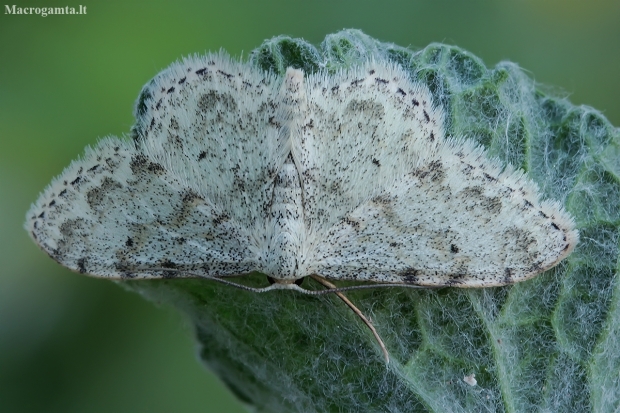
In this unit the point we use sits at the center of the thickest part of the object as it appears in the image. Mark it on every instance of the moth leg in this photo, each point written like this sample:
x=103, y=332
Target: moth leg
x=357, y=311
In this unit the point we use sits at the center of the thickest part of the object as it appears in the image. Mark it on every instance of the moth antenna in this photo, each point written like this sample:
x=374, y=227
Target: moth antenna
x=356, y=310
x=332, y=290
x=220, y=280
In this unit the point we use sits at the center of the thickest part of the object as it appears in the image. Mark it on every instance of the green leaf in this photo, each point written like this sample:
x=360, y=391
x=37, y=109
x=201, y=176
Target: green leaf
x=548, y=344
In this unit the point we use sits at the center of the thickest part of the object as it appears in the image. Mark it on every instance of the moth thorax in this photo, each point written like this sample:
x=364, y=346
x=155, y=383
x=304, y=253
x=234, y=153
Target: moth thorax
x=287, y=226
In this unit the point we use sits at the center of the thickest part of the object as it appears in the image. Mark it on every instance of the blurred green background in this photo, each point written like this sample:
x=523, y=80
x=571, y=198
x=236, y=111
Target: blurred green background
x=69, y=343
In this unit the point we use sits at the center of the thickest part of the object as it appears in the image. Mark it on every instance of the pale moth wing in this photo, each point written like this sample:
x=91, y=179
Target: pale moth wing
x=348, y=176
x=389, y=199
x=186, y=194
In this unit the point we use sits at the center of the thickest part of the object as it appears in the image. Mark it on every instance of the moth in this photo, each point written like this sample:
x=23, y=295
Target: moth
x=345, y=175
